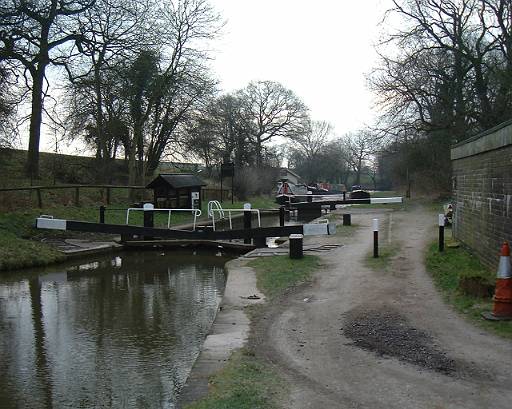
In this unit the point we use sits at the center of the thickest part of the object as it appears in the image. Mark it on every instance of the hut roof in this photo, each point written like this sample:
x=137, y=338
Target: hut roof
x=176, y=180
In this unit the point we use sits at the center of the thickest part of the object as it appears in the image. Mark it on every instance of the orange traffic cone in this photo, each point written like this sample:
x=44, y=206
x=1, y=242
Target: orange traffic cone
x=502, y=309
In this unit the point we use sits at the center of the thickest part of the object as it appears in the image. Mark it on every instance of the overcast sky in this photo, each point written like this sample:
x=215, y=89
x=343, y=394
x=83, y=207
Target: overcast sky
x=320, y=49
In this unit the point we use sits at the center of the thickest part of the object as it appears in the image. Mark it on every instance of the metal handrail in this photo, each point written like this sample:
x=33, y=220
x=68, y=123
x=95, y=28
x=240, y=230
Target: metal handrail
x=217, y=205
x=196, y=212
x=229, y=215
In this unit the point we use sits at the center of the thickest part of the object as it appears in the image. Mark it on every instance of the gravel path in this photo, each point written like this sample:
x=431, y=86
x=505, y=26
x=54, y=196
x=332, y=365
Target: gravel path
x=358, y=338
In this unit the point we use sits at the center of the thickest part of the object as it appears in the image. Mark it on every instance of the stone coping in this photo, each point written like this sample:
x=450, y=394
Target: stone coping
x=495, y=138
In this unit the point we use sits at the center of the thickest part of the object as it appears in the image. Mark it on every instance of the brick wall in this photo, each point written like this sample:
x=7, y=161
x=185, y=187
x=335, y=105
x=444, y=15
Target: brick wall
x=482, y=186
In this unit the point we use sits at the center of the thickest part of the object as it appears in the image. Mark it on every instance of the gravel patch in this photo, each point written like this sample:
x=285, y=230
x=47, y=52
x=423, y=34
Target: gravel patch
x=390, y=334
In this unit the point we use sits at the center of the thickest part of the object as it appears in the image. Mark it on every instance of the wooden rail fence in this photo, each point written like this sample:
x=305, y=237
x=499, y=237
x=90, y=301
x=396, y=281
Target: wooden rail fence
x=207, y=194
x=39, y=189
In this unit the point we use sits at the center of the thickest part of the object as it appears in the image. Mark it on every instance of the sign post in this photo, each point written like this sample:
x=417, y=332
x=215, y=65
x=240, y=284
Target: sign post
x=226, y=170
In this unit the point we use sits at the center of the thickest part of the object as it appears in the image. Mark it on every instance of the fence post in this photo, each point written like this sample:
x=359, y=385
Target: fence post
x=102, y=214
x=39, y=198
x=77, y=196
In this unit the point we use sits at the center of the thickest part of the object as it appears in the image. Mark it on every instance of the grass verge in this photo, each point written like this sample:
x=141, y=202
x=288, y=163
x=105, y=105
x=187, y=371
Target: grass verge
x=449, y=269
x=17, y=253
x=277, y=273
x=245, y=383
x=383, y=262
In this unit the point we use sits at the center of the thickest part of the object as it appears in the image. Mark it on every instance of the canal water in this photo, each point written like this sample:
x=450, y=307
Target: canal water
x=120, y=331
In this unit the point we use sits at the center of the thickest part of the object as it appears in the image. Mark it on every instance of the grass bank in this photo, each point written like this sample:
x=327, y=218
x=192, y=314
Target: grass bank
x=465, y=284
x=245, y=383
x=277, y=273
x=248, y=382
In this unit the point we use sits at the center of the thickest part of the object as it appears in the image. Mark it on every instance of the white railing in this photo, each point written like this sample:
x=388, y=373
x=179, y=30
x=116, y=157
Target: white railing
x=215, y=206
x=196, y=213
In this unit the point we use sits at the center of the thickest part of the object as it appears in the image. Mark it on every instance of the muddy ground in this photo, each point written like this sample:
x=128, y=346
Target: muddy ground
x=359, y=338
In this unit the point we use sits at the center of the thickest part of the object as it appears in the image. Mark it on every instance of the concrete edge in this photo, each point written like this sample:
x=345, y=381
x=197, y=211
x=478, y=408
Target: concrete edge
x=229, y=331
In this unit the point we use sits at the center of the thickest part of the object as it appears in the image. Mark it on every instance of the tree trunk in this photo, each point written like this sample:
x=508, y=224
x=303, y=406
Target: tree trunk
x=132, y=169
x=32, y=165
x=259, y=158
x=103, y=172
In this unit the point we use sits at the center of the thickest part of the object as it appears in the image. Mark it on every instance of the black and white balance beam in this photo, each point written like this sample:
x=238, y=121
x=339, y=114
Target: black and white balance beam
x=205, y=234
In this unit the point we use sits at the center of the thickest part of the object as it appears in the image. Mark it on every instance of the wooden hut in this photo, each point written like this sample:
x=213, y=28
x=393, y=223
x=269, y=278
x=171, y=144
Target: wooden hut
x=176, y=191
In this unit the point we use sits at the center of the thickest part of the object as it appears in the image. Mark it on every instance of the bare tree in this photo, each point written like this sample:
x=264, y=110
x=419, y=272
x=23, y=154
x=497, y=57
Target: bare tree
x=166, y=84
x=444, y=75
x=113, y=31
x=273, y=111
x=34, y=34
x=219, y=133
x=306, y=149
x=7, y=107
x=360, y=148
x=313, y=138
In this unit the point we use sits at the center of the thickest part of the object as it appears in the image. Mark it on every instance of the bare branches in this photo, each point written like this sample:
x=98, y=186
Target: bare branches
x=33, y=33
x=450, y=72
x=273, y=111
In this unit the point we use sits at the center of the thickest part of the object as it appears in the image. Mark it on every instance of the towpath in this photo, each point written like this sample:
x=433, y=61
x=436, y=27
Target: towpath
x=359, y=338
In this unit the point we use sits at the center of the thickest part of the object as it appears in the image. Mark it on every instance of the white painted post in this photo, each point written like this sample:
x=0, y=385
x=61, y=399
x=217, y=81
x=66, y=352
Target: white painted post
x=441, y=231
x=375, y=225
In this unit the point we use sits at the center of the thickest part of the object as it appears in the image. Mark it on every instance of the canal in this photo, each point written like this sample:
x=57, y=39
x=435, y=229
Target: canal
x=120, y=331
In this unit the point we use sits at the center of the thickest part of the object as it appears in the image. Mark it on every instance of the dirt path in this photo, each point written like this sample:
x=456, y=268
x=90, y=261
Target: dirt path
x=358, y=338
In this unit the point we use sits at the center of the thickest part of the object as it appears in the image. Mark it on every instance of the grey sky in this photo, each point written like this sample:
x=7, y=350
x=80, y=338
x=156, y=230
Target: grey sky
x=320, y=49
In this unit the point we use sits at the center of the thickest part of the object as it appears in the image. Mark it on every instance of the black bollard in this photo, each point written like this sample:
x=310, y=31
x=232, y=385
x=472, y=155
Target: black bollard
x=281, y=216
x=296, y=249
x=247, y=225
x=347, y=219
x=148, y=218
x=375, y=238
x=441, y=232
x=102, y=214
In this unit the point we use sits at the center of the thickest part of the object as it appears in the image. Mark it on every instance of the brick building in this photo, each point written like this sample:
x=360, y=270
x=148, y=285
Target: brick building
x=482, y=188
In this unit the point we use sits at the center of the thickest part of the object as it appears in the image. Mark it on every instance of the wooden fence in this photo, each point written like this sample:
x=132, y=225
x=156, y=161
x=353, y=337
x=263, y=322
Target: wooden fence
x=76, y=197
x=207, y=194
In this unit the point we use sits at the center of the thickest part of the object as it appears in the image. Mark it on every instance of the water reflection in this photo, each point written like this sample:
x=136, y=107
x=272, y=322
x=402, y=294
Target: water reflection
x=115, y=332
